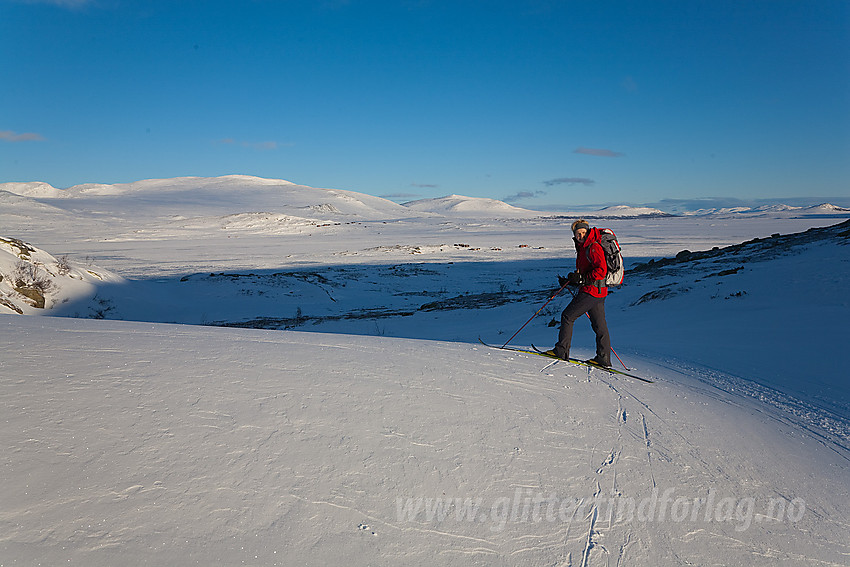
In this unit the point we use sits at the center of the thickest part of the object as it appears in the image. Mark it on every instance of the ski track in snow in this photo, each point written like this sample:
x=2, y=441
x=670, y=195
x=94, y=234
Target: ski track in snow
x=648, y=449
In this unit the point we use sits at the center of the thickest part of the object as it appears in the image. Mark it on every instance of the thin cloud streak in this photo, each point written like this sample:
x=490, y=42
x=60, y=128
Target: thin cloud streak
x=70, y=4
x=11, y=136
x=598, y=152
x=400, y=196
x=523, y=195
x=569, y=181
x=270, y=145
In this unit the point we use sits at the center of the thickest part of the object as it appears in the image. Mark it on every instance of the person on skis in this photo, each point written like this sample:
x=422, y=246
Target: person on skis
x=591, y=269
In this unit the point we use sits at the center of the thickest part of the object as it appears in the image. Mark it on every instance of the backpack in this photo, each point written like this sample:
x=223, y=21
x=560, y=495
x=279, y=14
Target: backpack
x=613, y=257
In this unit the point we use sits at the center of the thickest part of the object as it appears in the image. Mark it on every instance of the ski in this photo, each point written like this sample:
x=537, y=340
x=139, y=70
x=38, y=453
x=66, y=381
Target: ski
x=516, y=349
x=591, y=365
x=537, y=352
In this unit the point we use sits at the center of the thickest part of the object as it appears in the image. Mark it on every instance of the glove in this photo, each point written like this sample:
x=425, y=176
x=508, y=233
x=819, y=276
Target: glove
x=575, y=278
x=562, y=281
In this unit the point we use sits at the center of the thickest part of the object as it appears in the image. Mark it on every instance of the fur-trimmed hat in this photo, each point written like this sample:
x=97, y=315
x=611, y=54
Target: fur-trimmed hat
x=581, y=223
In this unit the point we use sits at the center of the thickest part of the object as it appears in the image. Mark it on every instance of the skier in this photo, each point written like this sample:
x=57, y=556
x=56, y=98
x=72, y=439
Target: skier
x=590, y=275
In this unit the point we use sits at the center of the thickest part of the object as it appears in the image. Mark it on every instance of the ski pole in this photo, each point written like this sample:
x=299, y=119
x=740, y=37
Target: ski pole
x=535, y=315
x=612, y=348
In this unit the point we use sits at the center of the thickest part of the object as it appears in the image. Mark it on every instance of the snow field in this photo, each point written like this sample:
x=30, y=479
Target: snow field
x=179, y=445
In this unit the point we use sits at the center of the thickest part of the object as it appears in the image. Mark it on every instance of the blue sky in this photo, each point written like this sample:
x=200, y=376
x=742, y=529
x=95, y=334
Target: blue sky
x=537, y=102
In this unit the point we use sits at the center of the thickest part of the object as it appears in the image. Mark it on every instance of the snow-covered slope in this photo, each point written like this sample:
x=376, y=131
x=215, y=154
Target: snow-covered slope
x=458, y=205
x=696, y=306
x=31, y=189
x=32, y=281
x=327, y=432
x=19, y=204
x=772, y=310
x=131, y=443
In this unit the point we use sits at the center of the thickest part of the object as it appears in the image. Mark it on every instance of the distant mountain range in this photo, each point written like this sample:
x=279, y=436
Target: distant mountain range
x=233, y=194
x=781, y=210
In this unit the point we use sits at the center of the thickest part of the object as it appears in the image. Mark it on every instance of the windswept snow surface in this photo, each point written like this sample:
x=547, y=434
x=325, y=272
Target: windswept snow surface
x=349, y=414
x=140, y=443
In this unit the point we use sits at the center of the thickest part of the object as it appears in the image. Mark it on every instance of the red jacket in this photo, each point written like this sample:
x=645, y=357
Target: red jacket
x=591, y=264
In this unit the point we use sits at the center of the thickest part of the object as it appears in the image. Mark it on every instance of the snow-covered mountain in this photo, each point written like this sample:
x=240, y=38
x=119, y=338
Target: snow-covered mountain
x=826, y=208
x=229, y=194
x=482, y=208
x=459, y=205
x=31, y=189
x=774, y=210
x=625, y=211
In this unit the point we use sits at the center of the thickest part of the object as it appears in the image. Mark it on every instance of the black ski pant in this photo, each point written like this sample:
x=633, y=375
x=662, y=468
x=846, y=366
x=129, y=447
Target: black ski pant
x=595, y=307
